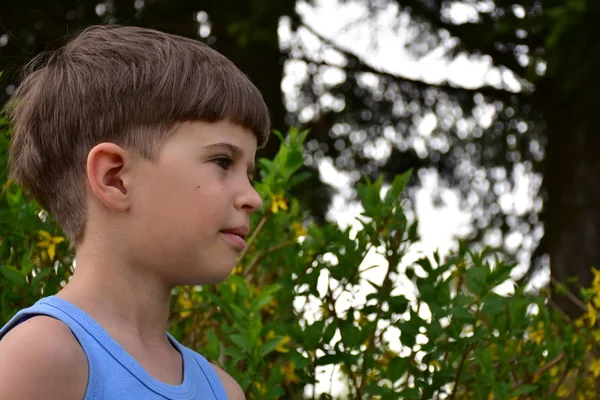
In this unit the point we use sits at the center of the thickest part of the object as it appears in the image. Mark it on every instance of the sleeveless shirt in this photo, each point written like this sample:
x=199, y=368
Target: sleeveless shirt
x=113, y=373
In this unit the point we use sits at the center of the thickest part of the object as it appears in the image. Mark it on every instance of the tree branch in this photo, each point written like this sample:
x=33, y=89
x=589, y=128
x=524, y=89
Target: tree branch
x=474, y=37
x=542, y=370
x=356, y=65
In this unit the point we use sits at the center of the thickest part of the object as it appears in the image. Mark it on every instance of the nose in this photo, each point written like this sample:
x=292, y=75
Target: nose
x=249, y=200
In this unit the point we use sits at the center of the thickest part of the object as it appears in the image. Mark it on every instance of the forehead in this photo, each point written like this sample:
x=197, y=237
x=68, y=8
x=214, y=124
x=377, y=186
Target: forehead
x=218, y=136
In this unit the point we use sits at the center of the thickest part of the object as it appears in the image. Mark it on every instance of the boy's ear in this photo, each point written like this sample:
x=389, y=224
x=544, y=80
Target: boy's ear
x=107, y=172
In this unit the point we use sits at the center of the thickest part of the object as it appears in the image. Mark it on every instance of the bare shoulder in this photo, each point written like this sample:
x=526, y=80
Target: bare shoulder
x=232, y=388
x=42, y=350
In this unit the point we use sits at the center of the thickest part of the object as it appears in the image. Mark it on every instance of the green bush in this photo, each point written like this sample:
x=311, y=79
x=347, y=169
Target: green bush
x=430, y=329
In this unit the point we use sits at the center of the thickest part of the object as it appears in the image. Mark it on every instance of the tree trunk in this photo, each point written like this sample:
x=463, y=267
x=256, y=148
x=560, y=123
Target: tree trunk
x=248, y=35
x=572, y=184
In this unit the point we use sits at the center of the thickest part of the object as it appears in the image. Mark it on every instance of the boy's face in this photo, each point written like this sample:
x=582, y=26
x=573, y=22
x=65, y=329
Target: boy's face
x=190, y=208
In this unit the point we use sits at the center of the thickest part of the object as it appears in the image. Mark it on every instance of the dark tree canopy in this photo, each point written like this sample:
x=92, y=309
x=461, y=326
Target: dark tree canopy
x=547, y=130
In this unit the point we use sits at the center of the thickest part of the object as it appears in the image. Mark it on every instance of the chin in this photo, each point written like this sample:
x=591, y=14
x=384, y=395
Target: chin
x=213, y=276
x=213, y=280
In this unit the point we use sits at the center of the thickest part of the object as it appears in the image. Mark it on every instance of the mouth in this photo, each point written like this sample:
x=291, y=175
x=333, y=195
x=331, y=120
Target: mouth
x=236, y=236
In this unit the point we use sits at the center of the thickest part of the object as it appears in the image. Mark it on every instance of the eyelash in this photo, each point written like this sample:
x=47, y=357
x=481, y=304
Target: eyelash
x=224, y=162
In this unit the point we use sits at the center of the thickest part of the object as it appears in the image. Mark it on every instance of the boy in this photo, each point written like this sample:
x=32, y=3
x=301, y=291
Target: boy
x=141, y=144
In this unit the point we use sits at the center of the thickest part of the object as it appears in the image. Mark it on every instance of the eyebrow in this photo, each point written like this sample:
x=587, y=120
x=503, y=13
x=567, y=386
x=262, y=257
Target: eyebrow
x=236, y=152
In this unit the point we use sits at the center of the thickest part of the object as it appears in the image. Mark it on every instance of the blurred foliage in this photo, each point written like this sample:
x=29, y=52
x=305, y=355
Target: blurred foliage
x=302, y=298
x=483, y=139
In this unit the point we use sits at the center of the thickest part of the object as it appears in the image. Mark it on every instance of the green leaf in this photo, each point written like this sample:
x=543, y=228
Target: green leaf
x=298, y=178
x=254, y=329
x=40, y=275
x=413, y=232
x=500, y=390
x=26, y=263
x=329, y=332
x=435, y=329
x=350, y=334
x=312, y=334
x=369, y=196
x=239, y=313
x=241, y=341
x=524, y=389
x=374, y=389
x=280, y=135
x=13, y=198
x=397, y=368
x=240, y=284
x=410, y=393
x=261, y=302
x=408, y=333
x=398, y=186
x=398, y=304
x=475, y=279
x=235, y=354
x=427, y=291
x=268, y=346
x=425, y=263
x=267, y=165
x=484, y=359
x=462, y=313
x=329, y=359
x=499, y=275
x=370, y=282
x=294, y=159
x=212, y=348
x=493, y=303
x=13, y=274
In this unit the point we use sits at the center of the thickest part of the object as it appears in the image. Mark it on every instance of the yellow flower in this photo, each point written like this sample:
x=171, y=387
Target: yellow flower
x=596, y=281
x=595, y=367
x=519, y=346
x=299, y=229
x=435, y=364
x=186, y=305
x=259, y=387
x=289, y=373
x=278, y=202
x=271, y=307
x=563, y=391
x=590, y=394
x=49, y=243
x=6, y=185
x=591, y=314
x=237, y=270
x=280, y=346
x=537, y=335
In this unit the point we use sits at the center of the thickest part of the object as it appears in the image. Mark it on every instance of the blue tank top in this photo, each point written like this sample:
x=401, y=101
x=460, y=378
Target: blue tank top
x=113, y=373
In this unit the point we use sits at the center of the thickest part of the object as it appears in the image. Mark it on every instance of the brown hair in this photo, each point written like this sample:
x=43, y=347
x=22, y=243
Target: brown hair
x=126, y=85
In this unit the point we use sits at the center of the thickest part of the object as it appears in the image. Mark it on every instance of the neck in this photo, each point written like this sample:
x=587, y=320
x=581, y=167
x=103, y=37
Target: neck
x=126, y=300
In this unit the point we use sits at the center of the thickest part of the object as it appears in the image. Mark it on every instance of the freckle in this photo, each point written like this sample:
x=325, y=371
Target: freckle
x=198, y=187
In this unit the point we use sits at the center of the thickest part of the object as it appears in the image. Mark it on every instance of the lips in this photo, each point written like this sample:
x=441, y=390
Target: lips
x=236, y=236
x=241, y=231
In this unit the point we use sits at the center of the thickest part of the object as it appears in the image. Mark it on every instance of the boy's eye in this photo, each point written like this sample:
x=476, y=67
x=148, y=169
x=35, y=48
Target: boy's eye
x=224, y=162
